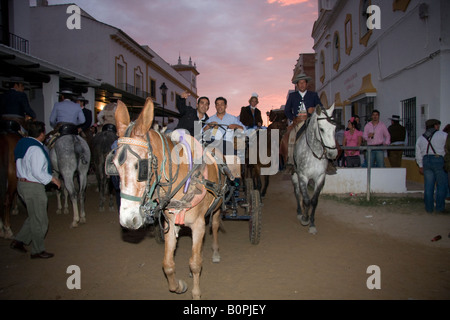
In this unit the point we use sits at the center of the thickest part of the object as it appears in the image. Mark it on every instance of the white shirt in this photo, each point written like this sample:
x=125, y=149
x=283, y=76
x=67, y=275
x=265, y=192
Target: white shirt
x=34, y=166
x=438, y=142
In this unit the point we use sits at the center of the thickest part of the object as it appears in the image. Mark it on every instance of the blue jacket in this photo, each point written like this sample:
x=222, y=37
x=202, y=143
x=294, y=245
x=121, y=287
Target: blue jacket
x=292, y=107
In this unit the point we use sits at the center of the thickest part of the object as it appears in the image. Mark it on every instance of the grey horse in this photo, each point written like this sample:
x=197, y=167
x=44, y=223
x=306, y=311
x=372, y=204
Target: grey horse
x=70, y=157
x=311, y=153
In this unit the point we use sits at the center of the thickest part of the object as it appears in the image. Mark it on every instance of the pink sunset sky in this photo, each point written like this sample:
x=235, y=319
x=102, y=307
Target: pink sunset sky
x=239, y=46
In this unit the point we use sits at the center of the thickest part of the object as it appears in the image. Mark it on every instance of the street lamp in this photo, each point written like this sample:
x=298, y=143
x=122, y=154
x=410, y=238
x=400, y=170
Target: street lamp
x=163, y=90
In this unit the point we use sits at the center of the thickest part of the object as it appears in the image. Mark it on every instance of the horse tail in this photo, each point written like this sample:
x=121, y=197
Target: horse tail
x=79, y=151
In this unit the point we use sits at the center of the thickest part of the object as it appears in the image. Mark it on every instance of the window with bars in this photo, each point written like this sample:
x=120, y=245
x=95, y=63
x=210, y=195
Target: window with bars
x=410, y=123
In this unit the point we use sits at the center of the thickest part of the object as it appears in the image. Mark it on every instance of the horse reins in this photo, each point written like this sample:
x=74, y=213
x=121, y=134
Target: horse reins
x=324, y=147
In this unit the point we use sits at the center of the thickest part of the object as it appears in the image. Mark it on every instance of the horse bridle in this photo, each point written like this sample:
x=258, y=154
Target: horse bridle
x=324, y=147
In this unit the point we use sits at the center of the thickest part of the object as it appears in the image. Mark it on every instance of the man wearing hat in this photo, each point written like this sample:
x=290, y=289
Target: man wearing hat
x=250, y=115
x=398, y=136
x=14, y=103
x=299, y=106
x=430, y=152
x=85, y=128
x=66, y=111
x=108, y=114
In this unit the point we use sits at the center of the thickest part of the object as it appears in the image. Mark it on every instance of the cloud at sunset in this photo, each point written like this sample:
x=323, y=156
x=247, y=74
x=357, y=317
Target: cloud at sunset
x=239, y=46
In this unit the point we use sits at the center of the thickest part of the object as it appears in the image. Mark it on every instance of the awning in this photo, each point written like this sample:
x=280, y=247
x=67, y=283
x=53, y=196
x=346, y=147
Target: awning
x=367, y=89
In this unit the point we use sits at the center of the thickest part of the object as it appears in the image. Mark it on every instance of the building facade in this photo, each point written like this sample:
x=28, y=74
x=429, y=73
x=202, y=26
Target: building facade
x=393, y=56
x=106, y=59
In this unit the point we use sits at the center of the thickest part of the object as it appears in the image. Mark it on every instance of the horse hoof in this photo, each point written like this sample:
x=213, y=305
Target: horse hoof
x=302, y=220
x=73, y=225
x=312, y=230
x=182, y=287
x=101, y=209
x=216, y=257
x=58, y=211
x=66, y=211
x=83, y=220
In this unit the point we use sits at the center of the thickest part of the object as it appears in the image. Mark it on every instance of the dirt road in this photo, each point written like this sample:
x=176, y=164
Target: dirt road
x=288, y=263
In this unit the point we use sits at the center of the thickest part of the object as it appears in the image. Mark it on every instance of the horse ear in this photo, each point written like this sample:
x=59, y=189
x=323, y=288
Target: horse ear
x=318, y=110
x=122, y=118
x=144, y=122
x=331, y=110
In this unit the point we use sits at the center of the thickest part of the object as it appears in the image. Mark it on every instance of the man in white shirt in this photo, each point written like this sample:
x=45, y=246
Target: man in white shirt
x=34, y=172
x=223, y=118
x=430, y=151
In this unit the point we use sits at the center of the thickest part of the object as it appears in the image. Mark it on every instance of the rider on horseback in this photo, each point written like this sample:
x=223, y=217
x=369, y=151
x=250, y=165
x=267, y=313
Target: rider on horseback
x=14, y=105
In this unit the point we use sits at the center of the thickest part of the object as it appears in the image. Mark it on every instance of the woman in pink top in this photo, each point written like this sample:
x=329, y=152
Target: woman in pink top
x=352, y=138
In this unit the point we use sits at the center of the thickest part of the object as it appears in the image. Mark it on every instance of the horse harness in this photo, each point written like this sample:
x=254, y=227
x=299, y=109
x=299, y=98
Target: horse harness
x=148, y=171
x=324, y=147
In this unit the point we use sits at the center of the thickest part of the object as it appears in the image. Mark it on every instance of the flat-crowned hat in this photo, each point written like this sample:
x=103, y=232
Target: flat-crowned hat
x=254, y=94
x=300, y=76
x=395, y=118
x=9, y=83
x=432, y=122
x=67, y=92
x=116, y=96
x=81, y=98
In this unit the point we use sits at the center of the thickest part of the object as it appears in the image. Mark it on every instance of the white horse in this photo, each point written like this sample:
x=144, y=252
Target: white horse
x=312, y=150
x=70, y=158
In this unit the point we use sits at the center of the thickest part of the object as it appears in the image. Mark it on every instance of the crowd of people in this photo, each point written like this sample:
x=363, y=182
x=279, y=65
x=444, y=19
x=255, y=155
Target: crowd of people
x=70, y=113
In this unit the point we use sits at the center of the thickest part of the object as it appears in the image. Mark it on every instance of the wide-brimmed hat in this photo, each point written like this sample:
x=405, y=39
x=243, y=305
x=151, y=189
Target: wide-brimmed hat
x=13, y=80
x=395, y=118
x=300, y=76
x=116, y=96
x=67, y=92
x=81, y=98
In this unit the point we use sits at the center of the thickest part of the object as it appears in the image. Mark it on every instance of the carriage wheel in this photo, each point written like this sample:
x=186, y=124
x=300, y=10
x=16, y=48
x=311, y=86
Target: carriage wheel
x=255, y=220
x=248, y=195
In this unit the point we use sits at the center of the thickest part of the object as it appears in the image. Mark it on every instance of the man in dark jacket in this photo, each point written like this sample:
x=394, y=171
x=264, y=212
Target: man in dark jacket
x=299, y=106
x=189, y=115
x=398, y=136
x=250, y=115
x=14, y=103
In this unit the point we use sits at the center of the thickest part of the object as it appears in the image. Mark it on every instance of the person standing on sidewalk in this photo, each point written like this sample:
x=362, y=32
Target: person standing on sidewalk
x=430, y=151
x=34, y=172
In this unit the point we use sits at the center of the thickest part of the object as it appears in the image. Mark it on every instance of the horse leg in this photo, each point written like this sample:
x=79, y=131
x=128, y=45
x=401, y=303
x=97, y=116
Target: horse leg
x=266, y=185
x=215, y=233
x=82, y=196
x=314, y=202
x=170, y=240
x=58, y=200
x=296, y=183
x=66, y=201
x=70, y=189
x=195, y=263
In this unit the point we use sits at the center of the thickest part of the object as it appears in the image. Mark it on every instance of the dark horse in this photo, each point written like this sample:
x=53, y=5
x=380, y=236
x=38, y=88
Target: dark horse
x=262, y=157
x=100, y=148
x=8, y=178
x=311, y=153
x=70, y=158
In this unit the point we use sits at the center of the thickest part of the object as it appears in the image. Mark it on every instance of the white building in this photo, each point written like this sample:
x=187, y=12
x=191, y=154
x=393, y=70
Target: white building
x=100, y=60
x=400, y=65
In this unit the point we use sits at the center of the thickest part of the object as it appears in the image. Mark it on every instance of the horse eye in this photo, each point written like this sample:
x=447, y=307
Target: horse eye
x=136, y=165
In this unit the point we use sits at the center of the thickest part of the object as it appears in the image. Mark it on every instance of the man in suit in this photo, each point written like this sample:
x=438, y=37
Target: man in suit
x=299, y=106
x=250, y=115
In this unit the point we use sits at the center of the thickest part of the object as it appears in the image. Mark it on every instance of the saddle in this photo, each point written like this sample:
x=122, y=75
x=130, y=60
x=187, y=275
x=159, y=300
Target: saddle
x=9, y=126
x=68, y=129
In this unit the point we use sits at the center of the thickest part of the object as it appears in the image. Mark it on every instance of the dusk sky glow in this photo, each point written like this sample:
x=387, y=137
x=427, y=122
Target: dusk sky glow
x=239, y=46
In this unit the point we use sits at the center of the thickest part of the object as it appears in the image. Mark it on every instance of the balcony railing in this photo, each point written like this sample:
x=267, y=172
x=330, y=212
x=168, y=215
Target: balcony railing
x=133, y=90
x=14, y=41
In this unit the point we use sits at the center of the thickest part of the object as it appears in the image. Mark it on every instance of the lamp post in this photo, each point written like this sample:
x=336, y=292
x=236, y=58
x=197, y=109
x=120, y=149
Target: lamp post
x=163, y=90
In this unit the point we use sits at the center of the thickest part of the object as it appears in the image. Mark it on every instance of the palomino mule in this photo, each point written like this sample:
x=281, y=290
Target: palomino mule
x=157, y=183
